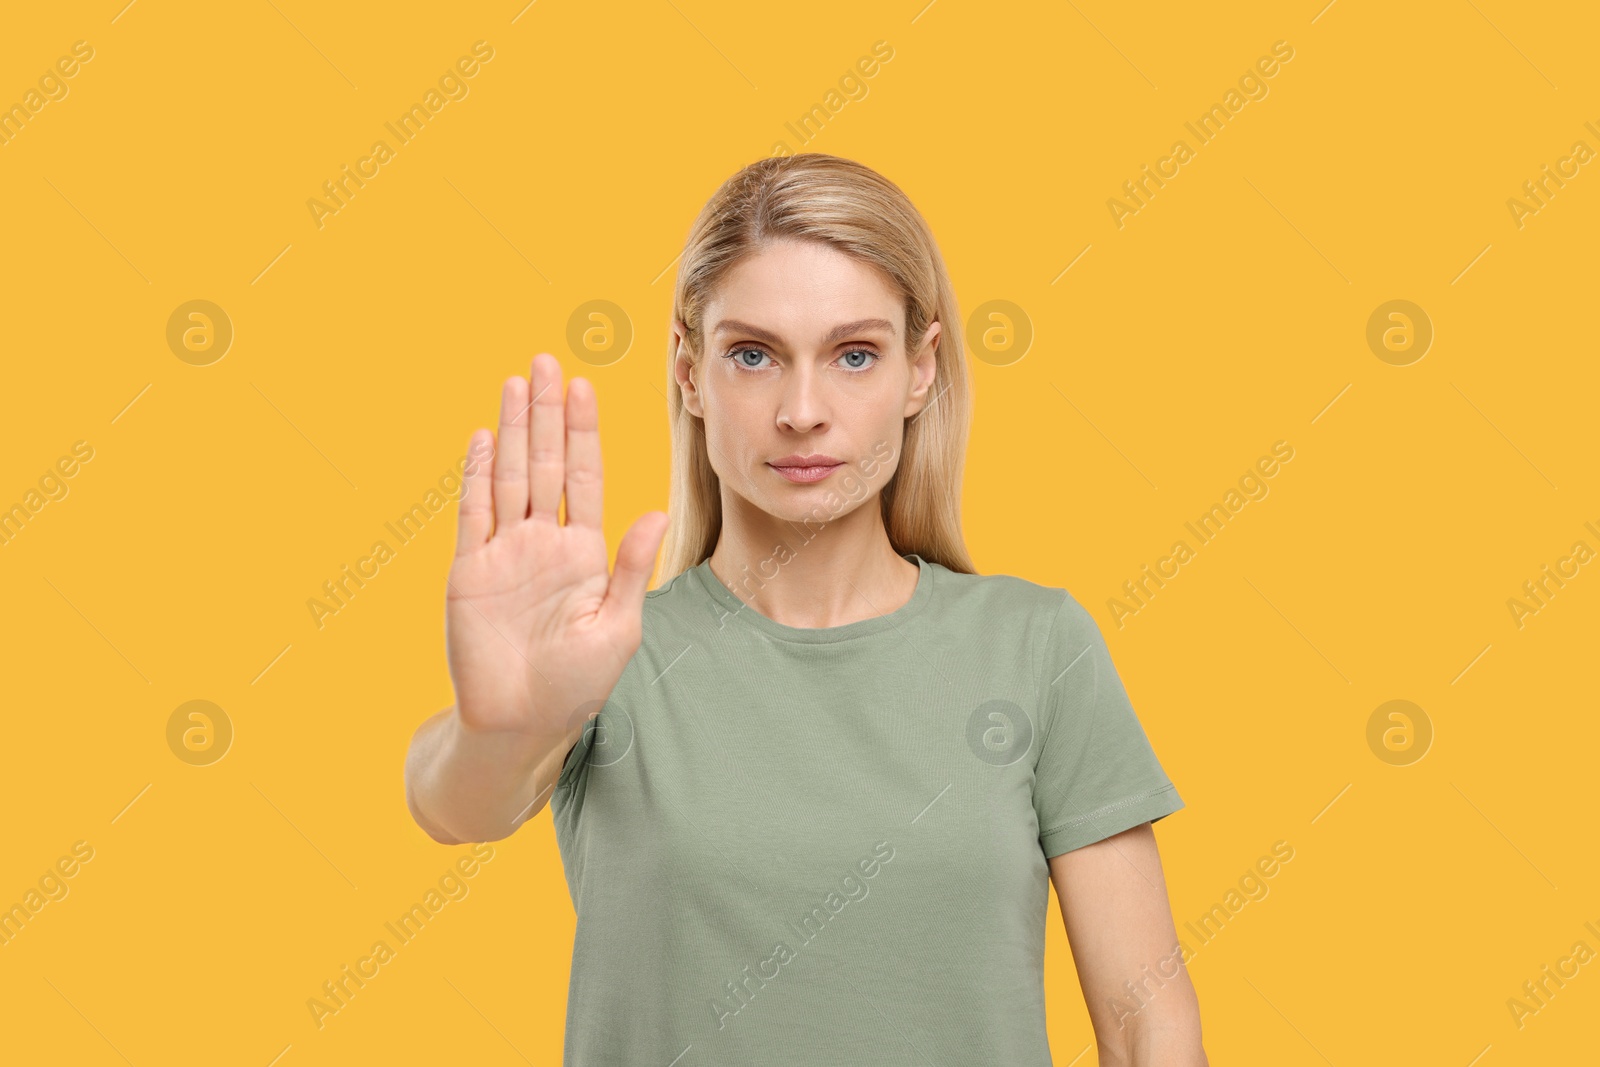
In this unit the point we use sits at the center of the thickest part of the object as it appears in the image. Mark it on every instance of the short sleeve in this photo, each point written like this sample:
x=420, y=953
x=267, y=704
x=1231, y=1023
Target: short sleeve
x=1096, y=774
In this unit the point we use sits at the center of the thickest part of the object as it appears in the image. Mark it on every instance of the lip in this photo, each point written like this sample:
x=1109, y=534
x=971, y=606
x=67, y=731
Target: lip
x=798, y=468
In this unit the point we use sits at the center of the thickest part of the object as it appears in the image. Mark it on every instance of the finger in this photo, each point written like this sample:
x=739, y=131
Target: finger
x=584, y=496
x=636, y=558
x=476, y=514
x=511, y=458
x=546, y=441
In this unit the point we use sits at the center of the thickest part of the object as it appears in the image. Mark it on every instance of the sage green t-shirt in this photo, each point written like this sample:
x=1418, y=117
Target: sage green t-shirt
x=828, y=846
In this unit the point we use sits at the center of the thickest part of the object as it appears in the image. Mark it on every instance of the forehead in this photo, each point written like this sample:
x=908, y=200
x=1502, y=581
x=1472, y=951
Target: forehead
x=803, y=291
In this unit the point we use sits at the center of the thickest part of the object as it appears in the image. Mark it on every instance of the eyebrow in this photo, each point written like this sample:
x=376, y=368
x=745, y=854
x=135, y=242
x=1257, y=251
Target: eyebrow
x=838, y=333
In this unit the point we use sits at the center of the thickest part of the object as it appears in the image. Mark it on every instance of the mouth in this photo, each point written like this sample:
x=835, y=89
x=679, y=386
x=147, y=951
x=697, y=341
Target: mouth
x=806, y=469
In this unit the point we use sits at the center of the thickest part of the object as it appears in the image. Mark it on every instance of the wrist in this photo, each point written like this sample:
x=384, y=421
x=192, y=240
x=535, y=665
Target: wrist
x=501, y=752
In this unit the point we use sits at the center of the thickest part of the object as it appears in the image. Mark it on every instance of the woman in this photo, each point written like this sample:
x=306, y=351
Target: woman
x=832, y=767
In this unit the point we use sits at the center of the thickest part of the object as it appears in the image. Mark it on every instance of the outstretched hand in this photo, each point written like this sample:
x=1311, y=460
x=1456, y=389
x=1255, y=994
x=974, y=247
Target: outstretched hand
x=535, y=626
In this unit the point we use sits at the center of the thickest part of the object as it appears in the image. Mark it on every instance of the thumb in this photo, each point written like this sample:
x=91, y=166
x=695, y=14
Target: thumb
x=636, y=558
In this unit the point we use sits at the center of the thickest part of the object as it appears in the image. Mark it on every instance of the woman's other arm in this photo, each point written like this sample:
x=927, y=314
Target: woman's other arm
x=1125, y=948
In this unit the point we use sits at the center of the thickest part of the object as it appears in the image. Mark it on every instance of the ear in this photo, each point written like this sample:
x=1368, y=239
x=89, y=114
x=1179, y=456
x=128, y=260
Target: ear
x=924, y=363
x=683, y=370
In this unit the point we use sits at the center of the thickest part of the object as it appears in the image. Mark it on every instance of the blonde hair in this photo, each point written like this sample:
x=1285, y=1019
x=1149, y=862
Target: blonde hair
x=854, y=209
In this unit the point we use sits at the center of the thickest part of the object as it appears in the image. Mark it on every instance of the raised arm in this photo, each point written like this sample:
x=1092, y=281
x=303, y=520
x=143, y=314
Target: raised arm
x=536, y=629
x=1125, y=947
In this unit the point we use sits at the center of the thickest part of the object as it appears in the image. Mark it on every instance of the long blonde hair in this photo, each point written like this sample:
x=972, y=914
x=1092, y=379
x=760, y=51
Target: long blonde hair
x=854, y=209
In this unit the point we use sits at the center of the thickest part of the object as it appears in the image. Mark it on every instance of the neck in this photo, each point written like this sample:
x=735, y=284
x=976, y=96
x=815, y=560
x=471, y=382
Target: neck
x=808, y=574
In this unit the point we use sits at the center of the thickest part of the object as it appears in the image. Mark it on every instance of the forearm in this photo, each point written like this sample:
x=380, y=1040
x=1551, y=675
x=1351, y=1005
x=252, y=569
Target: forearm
x=463, y=785
x=1165, y=1032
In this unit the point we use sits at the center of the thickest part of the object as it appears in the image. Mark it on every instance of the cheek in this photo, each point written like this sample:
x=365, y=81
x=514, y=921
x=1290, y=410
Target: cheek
x=879, y=450
x=877, y=471
x=738, y=420
x=734, y=450
x=728, y=456
x=728, y=426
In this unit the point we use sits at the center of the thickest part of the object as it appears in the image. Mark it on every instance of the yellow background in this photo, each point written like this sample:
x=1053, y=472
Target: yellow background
x=1227, y=314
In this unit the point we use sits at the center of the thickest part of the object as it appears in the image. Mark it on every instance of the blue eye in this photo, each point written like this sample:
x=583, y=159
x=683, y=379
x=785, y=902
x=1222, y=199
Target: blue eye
x=737, y=354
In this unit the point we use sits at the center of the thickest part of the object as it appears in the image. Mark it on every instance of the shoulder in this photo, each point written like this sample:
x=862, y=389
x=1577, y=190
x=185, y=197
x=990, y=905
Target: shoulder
x=683, y=609
x=1034, y=619
x=1044, y=629
x=672, y=585
x=999, y=595
x=676, y=600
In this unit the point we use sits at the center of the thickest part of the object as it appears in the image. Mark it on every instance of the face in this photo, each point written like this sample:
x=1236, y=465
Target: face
x=806, y=381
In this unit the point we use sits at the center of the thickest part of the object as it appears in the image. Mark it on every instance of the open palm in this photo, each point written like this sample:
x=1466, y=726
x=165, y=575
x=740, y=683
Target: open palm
x=536, y=629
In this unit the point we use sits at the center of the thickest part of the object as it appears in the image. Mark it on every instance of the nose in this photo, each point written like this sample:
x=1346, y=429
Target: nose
x=802, y=407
